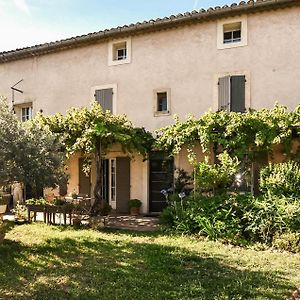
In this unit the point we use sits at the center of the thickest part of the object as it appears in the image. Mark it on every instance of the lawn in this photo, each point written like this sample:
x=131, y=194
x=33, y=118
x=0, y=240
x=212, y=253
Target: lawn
x=50, y=262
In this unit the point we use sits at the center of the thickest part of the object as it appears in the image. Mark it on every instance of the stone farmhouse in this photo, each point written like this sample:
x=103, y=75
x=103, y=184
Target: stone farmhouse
x=234, y=57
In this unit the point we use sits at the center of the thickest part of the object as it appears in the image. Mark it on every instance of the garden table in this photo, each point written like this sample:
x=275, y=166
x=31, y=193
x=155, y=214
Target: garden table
x=52, y=210
x=35, y=209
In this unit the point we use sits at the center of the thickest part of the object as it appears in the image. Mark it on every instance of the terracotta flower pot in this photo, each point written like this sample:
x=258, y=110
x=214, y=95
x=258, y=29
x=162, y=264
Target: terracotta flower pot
x=134, y=211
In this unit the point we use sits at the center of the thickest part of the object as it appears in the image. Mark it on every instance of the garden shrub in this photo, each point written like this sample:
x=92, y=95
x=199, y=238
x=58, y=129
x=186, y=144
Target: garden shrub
x=288, y=241
x=167, y=216
x=215, y=217
x=281, y=179
x=235, y=217
x=272, y=215
x=216, y=178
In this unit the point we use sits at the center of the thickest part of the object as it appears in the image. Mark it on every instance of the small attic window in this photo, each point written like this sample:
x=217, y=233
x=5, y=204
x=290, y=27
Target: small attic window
x=119, y=52
x=232, y=33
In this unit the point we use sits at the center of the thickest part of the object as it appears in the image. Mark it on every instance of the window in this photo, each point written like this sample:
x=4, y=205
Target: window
x=232, y=32
x=26, y=113
x=105, y=98
x=231, y=93
x=119, y=52
x=162, y=102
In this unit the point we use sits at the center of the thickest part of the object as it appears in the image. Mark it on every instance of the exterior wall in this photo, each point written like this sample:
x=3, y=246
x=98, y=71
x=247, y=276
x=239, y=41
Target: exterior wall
x=185, y=60
x=73, y=171
x=278, y=155
x=139, y=182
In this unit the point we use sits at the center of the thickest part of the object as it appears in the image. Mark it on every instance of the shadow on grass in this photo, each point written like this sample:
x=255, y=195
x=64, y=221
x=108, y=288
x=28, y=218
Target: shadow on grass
x=72, y=268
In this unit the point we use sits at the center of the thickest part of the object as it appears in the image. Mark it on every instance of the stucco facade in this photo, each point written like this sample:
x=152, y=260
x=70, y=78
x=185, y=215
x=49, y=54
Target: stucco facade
x=184, y=60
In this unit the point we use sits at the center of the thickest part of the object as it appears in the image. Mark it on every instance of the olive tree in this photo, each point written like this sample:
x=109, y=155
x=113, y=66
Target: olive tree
x=29, y=153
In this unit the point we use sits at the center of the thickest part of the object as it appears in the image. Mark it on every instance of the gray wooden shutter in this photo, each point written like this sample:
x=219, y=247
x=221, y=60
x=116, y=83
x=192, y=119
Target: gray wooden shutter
x=237, y=103
x=224, y=94
x=105, y=97
x=122, y=184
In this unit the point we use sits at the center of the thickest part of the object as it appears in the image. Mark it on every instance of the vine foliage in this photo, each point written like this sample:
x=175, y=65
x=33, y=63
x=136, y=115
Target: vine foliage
x=239, y=134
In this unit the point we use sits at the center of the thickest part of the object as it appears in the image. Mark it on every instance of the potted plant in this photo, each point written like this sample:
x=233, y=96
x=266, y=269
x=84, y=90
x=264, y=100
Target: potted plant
x=134, y=206
x=20, y=213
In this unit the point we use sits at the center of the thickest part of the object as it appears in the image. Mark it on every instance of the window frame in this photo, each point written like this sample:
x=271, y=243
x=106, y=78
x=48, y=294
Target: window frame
x=232, y=39
x=18, y=109
x=28, y=115
x=167, y=112
x=113, y=55
x=120, y=56
x=221, y=24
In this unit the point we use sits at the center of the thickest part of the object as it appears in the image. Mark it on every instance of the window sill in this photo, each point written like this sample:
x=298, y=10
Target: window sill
x=162, y=113
x=232, y=45
x=119, y=62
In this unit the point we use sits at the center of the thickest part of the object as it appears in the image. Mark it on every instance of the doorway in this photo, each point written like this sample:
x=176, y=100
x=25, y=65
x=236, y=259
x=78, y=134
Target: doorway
x=161, y=176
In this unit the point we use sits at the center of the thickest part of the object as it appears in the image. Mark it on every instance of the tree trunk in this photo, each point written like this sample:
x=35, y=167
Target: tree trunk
x=98, y=185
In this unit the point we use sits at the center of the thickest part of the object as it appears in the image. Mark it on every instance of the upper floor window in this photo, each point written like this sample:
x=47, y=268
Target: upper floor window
x=231, y=93
x=232, y=32
x=26, y=113
x=161, y=102
x=105, y=98
x=119, y=52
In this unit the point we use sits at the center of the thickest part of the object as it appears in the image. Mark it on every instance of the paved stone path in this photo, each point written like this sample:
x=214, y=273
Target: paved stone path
x=138, y=223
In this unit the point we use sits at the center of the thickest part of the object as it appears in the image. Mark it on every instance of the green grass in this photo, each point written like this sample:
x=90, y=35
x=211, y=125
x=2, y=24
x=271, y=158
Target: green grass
x=46, y=262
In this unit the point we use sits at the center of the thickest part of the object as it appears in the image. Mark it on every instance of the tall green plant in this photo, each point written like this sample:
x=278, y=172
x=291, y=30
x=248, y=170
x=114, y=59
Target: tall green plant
x=282, y=179
x=216, y=178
